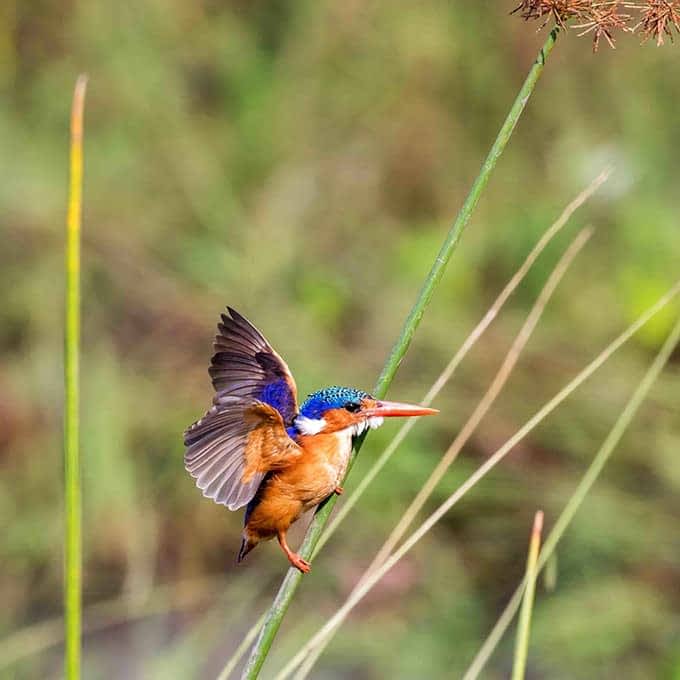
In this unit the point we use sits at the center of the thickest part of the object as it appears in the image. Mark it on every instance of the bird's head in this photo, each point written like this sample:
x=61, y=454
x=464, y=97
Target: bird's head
x=339, y=408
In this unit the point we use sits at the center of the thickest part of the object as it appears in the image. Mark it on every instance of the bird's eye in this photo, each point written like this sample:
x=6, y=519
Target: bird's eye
x=352, y=406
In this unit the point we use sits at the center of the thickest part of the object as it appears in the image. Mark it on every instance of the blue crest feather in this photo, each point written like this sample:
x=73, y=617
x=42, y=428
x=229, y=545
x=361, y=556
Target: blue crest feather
x=319, y=402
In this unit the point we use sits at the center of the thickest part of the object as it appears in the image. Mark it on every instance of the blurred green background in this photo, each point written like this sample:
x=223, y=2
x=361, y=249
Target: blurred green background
x=301, y=161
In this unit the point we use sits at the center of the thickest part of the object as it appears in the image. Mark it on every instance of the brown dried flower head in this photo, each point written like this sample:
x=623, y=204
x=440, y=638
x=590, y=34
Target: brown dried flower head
x=658, y=17
x=604, y=18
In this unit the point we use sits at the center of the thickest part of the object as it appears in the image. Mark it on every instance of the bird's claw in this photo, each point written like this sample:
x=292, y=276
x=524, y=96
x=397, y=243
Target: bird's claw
x=300, y=563
x=339, y=490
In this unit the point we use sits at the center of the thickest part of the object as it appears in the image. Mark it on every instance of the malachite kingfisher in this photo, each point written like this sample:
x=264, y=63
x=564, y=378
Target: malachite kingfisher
x=254, y=447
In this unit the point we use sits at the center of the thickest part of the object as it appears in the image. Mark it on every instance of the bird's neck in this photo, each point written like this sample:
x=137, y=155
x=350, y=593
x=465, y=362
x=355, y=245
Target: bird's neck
x=332, y=445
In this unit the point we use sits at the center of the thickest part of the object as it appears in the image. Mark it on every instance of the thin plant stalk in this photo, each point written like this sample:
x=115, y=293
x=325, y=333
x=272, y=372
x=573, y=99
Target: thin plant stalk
x=72, y=490
x=482, y=408
x=576, y=500
x=200, y=639
x=522, y=645
x=463, y=217
x=458, y=357
x=310, y=660
x=496, y=634
x=291, y=581
x=374, y=577
x=242, y=648
x=434, y=390
x=484, y=404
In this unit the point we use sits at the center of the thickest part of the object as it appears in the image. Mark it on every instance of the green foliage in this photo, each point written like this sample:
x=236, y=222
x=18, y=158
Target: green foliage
x=302, y=165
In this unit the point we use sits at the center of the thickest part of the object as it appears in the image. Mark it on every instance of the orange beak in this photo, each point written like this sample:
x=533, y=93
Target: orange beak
x=389, y=409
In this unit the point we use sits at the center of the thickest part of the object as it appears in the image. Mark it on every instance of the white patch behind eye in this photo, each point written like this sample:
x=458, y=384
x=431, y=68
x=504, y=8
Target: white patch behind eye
x=310, y=425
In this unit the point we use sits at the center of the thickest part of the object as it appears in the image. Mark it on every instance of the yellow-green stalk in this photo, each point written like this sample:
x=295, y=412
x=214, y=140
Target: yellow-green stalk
x=589, y=478
x=72, y=491
x=522, y=644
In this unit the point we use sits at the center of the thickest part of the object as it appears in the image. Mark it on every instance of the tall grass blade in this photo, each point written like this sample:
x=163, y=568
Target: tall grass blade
x=434, y=390
x=462, y=352
x=485, y=403
x=292, y=579
x=242, y=648
x=522, y=646
x=482, y=408
x=463, y=217
x=372, y=578
x=72, y=491
x=574, y=503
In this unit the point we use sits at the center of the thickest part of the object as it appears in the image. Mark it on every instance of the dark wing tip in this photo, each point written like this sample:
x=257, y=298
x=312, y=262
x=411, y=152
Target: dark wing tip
x=236, y=316
x=246, y=365
x=189, y=435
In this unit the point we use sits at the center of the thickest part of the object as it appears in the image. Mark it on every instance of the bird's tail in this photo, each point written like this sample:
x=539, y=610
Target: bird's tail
x=247, y=544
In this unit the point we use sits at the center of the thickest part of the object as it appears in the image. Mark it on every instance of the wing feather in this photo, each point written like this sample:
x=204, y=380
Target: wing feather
x=234, y=445
x=246, y=365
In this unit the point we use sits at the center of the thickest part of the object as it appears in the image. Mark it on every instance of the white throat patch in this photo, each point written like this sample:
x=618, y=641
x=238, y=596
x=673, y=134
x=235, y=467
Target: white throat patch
x=310, y=425
x=316, y=425
x=373, y=422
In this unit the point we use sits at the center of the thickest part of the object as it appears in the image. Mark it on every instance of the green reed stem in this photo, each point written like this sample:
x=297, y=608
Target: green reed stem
x=486, y=402
x=458, y=357
x=522, y=645
x=72, y=495
x=291, y=581
x=370, y=579
x=589, y=478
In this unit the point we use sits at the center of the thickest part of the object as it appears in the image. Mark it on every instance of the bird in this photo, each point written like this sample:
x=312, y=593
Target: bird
x=256, y=448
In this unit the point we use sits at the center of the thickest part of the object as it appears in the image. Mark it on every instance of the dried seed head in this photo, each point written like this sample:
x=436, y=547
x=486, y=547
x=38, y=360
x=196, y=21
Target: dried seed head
x=603, y=18
x=604, y=21
x=558, y=10
x=658, y=17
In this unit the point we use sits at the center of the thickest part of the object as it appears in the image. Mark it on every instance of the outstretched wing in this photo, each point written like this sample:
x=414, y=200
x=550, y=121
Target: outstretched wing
x=234, y=445
x=245, y=365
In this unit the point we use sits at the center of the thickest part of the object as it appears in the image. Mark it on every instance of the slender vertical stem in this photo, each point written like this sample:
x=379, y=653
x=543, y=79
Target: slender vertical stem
x=485, y=403
x=452, y=238
x=575, y=501
x=522, y=645
x=292, y=579
x=72, y=495
x=462, y=352
x=472, y=423
x=377, y=574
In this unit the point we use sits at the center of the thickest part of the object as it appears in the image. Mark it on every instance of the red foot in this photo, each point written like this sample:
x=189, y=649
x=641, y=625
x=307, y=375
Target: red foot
x=299, y=563
x=293, y=558
x=339, y=490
